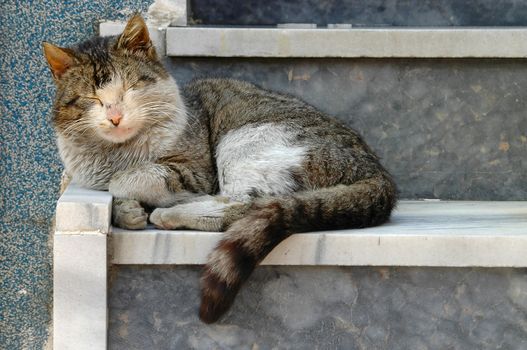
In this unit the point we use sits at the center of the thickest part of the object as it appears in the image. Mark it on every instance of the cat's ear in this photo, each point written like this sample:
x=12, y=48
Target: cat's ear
x=59, y=59
x=135, y=38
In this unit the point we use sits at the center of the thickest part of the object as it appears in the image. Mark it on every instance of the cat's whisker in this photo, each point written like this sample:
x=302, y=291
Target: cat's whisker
x=78, y=126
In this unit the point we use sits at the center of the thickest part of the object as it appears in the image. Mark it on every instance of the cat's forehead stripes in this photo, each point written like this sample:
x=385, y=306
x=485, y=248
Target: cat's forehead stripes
x=112, y=91
x=101, y=74
x=98, y=55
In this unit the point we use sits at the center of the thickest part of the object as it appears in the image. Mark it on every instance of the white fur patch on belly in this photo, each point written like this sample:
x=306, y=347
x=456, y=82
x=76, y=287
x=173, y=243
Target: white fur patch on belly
x=258, y=159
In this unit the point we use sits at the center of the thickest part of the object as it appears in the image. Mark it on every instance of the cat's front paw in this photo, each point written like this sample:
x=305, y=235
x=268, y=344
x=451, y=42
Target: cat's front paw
x=129, y=214
x=162, y=219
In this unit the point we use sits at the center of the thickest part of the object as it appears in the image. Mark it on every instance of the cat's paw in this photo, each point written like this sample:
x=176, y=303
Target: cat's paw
x=188, y=216
x=162, y=218
x=129, y=214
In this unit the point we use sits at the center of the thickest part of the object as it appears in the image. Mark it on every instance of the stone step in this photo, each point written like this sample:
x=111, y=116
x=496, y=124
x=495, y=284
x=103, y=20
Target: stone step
x=420, y=233
x=421, y=42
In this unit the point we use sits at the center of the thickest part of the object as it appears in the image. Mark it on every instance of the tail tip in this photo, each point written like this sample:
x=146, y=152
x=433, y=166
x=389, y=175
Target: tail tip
x=208, y=312
x=216, y=298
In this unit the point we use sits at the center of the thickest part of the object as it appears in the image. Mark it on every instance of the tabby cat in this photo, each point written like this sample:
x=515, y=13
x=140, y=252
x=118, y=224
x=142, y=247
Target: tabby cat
x=220, y=155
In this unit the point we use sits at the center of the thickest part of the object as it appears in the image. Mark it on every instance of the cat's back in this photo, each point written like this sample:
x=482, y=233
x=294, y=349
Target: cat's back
x=231, y=104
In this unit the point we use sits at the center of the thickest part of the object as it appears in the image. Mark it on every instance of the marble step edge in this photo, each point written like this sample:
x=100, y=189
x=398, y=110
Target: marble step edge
x=153, y=247
x=408, y=42
x=420, y=233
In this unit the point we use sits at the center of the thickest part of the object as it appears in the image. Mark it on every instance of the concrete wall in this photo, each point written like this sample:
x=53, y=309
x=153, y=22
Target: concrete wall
x=362, y=12
x=29, y=167
x=324, y=308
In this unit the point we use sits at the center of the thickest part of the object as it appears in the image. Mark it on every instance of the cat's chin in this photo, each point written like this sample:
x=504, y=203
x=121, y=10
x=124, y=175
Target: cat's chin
x=118, y=135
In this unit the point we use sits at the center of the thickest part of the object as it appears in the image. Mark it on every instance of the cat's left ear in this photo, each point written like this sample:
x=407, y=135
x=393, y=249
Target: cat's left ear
x=135, y=38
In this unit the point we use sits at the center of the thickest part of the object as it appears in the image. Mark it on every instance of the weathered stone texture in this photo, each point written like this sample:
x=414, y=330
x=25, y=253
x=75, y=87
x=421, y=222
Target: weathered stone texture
x=324, y=308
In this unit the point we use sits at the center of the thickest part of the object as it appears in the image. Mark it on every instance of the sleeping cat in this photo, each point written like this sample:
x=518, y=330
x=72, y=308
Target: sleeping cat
x=220, y=155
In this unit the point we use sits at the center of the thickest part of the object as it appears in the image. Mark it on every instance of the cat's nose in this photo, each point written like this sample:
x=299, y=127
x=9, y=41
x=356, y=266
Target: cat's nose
x=114, y=115
x=116, y=119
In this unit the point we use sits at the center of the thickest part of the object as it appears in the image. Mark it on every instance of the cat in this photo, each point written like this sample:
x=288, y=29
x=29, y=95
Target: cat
x=217, y=155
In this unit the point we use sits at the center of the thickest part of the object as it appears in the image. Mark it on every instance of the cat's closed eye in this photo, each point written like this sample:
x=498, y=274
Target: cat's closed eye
x=140, y=82
x=94, y=99
x=72, y=101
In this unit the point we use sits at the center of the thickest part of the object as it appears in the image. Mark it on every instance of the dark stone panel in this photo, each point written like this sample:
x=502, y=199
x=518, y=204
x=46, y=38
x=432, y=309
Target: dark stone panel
x=449, y=129
x=324, y=308
x=361, y=13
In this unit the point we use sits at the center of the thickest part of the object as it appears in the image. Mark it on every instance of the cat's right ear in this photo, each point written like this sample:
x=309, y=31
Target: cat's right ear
x=59, y=59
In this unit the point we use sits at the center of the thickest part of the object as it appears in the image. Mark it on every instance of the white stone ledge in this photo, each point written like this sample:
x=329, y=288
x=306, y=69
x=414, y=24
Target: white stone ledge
x=80, y=258
x=424, y=42
x=420, y=233
x=82, y=211
x=361, y=42
x=80, y=291
x=354, y=42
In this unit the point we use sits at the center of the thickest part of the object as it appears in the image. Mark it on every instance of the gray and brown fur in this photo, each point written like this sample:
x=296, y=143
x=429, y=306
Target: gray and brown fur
x=218, y=155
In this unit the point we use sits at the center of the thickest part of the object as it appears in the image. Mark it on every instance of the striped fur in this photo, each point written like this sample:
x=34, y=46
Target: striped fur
x=271, y=220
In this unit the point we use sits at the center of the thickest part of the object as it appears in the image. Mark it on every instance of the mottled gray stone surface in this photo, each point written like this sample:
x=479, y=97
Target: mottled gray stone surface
x=361, y=12
x=449, y=129
x=325, y=308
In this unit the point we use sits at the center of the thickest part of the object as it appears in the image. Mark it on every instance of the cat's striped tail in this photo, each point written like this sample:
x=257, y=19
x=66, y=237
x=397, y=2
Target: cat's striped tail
x=272, y=219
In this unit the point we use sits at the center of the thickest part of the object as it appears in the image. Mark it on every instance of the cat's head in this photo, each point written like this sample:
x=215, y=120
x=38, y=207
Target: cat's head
x=111, y=89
